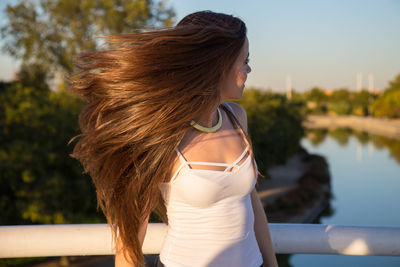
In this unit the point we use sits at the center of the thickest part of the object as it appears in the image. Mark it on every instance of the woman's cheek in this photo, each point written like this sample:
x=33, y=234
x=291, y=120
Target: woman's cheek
x=241, y=78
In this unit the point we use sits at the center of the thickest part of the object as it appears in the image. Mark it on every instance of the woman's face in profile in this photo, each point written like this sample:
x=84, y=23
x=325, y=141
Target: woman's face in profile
x=234, y=84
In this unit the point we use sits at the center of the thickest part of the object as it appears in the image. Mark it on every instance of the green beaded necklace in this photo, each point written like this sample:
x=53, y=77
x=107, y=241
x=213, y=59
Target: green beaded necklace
x=206, y=129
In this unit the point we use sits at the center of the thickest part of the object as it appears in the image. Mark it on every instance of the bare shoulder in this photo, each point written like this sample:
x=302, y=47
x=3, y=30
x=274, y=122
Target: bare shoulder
x=240, y=113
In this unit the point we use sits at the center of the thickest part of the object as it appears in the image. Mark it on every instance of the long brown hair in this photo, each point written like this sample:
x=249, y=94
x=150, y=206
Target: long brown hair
x=141, y=95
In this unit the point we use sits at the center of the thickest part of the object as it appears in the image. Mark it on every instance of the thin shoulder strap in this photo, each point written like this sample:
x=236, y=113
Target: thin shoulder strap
x=230, y=108
x=183, y=163
x=242, y=132
x=181, y=157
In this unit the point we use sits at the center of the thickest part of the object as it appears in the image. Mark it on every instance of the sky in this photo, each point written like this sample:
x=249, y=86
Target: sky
x=314, y=42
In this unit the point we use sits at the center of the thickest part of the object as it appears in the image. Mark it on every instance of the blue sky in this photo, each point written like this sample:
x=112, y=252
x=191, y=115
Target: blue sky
x=317, y=42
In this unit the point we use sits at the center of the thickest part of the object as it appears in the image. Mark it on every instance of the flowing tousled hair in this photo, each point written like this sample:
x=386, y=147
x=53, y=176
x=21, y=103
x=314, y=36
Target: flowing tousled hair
x=141, y=93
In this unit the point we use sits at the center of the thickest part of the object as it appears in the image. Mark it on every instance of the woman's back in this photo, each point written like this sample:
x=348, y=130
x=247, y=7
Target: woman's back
x=209, y=208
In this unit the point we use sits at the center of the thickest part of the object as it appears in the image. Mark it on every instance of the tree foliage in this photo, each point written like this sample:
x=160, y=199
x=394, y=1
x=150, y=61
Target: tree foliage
x=39, y=182
x=338, y=102
x=316, y=94
x=361, y=103
x=388, y=104
x=51, y=32
x=274, y=126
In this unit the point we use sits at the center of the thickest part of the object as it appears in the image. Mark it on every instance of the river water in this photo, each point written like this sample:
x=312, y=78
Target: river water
x=365, y=179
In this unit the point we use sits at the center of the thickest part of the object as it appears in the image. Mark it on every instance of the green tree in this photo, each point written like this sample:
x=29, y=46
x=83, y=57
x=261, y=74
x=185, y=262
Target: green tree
x=341, y=94
x=317, y=95
x=275, y=126
x=51, y=32
x=388, y=104
x=315, y=100
x=339, y=107
x=360, y=102
x=339, y=102
x=39, y=182
x=298, y=99
x=33, y=75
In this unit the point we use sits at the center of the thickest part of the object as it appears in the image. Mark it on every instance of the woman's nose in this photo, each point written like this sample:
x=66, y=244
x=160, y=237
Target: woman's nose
x=249, y=69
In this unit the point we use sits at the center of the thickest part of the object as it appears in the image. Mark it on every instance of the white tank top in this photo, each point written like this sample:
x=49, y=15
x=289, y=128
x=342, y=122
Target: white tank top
x=210, y=215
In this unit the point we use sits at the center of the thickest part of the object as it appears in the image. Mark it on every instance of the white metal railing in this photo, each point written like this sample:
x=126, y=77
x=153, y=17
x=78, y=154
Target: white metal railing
x=95, y=239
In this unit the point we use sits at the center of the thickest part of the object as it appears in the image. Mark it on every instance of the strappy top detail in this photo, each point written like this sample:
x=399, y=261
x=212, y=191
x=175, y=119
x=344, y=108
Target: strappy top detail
x=210, y=215
x=234, y=164
x=185, y=163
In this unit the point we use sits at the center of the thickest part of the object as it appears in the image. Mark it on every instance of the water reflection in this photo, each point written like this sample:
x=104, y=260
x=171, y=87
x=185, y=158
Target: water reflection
x=342, y=135
x=365, y=182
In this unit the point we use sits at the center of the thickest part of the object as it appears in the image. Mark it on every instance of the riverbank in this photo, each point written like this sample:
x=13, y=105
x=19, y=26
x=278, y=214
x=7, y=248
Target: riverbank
x=380, y=126
x=298, y=191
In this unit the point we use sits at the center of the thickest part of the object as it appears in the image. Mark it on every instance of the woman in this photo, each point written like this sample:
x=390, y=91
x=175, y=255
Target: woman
x=158, y=135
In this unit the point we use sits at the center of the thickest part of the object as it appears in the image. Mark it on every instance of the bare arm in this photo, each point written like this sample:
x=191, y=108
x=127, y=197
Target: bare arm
x=120, y=260
x=261, y=230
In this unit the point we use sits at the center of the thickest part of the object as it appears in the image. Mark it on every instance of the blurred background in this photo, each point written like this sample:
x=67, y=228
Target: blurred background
x=323, y=106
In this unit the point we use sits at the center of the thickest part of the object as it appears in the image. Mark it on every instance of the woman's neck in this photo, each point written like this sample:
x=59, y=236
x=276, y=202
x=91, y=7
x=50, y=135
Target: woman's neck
x=208, y=121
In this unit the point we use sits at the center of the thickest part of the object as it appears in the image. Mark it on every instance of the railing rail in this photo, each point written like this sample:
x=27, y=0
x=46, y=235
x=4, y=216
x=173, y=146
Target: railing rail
x=95, y=239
